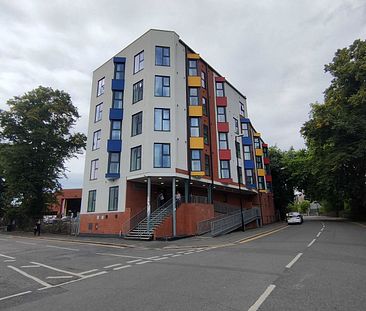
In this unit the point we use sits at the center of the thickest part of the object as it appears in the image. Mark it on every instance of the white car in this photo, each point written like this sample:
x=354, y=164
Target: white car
x=294, y=218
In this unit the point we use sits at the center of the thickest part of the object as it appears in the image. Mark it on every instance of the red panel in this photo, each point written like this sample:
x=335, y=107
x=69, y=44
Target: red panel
x=225, y=180
x=221, y=101
x=269, y=178
x=266, y=160
x=265, y=145
x=220, y=79
x=223, y=127
x=225, y=154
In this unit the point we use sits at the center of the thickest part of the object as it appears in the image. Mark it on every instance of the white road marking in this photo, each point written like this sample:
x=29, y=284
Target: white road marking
x=30, y=266
x=27, y=243
x=177, y=255
x=9, y=260
x=56, y=269
x=111, y=266
x=4, y=239
x=188, y=253
x=133, y=261
x=123, y=267
x=5, y=256
x=318, y=235
x=311, y=243
x=89, y=271
x=161, y=258
x=167, y=254
x=60, y=277
x=93, y=275
x=66, y=248
x=142, y=262
x=294, y=260
x=15, y=295
x=124, y=256
x=153, y=257
x=30, y=276
x=262, y=298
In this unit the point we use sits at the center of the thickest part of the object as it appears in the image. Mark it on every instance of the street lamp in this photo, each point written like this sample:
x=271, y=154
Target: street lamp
x=239, y=180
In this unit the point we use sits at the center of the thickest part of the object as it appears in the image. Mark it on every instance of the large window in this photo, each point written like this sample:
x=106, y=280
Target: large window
x=116, y=130
x=237, y=149
x=138, y=62
x=207, y=165
x=225, y=168
x=161, y=155
x=203, y=79
x=223, y=141
x=247, y=153
x=135, y=159
x=100, y=87
x=138, y=90
x=242, y=109
x=136, y=124
x=245, y=129
x=113, y=199
x=162, y=56
x=258, y=161
x=204, y=106
x=220, y=89
x=257, y=143
x=96, y=139
x=261, y=184
x=117, y=99
x=162, y=119
x=193, y=96
x=205, y=135
x=119, y=71
x=195, y=127
x=162, y=86
x=195, y=160
x=221, y=114
x=265, y=152
x=249, y=177
x=113, y=163
x=236, y=125
x=91, y=200
x=94, y=166
x=192, y=68
x=98, y=112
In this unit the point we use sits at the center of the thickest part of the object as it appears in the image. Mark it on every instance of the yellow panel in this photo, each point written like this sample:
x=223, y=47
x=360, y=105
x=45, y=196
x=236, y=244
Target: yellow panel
x=193, y=56
x=258, y=152
x=194, y=81
x=195, y=111
x=263, y=191
x=201, y=173
x=196, y=142
x=257, y=134
x=261, y=172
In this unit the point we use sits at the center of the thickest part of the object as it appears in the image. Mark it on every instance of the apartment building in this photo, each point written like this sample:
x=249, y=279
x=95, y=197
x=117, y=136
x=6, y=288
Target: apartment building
x=162, y=122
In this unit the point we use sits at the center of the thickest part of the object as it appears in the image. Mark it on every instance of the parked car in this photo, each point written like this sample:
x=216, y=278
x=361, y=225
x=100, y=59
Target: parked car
x=49, y=219
x=294, y=218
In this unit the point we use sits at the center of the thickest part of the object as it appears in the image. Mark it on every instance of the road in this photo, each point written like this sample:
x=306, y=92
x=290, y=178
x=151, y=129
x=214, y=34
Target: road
x=319, y=265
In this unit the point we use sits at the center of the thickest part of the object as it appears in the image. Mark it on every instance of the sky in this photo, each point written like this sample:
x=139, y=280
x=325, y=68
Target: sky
x=274, y=52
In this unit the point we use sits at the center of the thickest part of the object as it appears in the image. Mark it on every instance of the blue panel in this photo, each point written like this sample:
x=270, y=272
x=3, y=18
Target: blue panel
x=112, y=175
x=119, y=59
x=118, y=84
x=114, y=145
x=249, y=164
x=247, y=141
x=244, y=120
x=115, y=114
x=251, y=186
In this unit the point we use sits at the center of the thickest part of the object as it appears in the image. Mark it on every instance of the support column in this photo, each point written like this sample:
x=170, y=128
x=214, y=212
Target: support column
x=186, y=190
x=209, y=194
x=174, y=209
x=148, y=205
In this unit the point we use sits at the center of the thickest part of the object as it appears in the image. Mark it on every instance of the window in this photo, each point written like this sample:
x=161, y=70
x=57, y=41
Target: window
x=195, y=127
x=236, y=126
x=162, y=86
x=96, y=140
x=221, y=114
x=195, y=160
x=245, y=129
x=247, y=153
x=136, y=124
x=138, y=91
x=268, y=170
x=100, y=88
x=225, y=169
x=117, y=100
x=113, y=164
x=240, y=175
x=203, y=79
x=91, y=200
x=135, y=159
x=139, y=62
x=249, y=177
x=192, y=68
x=119, y=71
x=116, y=130
x=237, y=149
x=113, y=199
x=94, y=169
x=162, y=119
x=265, y=152
x=193, y=96
x=220, y=89
x=261, y=184
x=258, y=161
x=257, y=143
x=207, y=165
x=205, y=135
x=204, y=106
x=223, y=141
x=162, y=56
x=269, y=186
x=98, y=112
x=161, y=155
x=242, y=109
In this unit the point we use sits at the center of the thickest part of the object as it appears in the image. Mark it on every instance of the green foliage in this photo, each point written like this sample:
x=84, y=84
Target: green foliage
x=36, y=140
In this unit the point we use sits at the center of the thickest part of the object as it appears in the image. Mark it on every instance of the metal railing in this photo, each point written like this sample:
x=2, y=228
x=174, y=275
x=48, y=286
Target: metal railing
x=225, y=208
x=205, y=225
x=199, y=199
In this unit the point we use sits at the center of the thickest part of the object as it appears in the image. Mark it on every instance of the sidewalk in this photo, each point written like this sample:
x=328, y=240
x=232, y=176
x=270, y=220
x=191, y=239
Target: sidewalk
x=190, y=242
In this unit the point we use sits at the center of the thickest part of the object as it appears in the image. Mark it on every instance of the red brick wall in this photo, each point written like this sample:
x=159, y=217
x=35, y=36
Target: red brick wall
x=62, y=195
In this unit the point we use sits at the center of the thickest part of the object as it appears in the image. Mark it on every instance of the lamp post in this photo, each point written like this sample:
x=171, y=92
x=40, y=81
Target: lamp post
x=239, y=181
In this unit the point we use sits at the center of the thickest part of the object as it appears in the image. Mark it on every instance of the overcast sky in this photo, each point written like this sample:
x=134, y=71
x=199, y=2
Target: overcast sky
x=273, y=51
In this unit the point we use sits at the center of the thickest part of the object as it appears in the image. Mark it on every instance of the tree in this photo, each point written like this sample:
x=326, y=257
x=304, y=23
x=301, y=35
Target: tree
x=336, y=132
x=36, y=140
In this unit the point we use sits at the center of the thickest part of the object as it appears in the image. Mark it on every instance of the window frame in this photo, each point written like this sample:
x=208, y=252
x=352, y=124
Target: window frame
x=247, y=153
x=206, y=135
x=94, y=168
x=259, y=162
x=194, y=69
x=138, y=62
x=257, y=143
x=236, y=125
x=98, y=112
x=222, y=169
x=164, y=48
x=221, y=116
x=261, y=183
x=163, y=110
x=242, y=109
x=237, y=150
x=219, y=91
x=245, y=131
x=117, y=100
x=92, y=198
x=100, y=87
x=196, y=160
x=194, y=127
x=203, y=79
x=223, y=142
x=97, y=137
x=136, y=127
x=113, y=201
x=193, y=99
x=204, y=106
x=207, y=165
x=164, y=86
x=138, y=91
x=163, y=155
x=135, y=158
x=116, y=130
x=119, y=72
x=249, y=178
x=110, y=162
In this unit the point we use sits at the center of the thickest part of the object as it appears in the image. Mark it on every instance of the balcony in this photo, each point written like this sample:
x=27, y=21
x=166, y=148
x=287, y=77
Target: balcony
x=118, y=84
x=115, y=114
x=114, y=145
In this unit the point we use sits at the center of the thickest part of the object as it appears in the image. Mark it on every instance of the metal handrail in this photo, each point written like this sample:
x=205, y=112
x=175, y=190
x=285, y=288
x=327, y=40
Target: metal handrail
x=199, y=199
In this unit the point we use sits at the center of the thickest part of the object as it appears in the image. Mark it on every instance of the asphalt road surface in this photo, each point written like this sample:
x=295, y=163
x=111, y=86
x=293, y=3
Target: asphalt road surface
x=319, y=265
